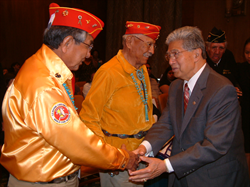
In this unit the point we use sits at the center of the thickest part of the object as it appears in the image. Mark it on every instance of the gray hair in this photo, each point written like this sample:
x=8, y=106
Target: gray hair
x=55, y=35
x=191, y=37
x=124, y=37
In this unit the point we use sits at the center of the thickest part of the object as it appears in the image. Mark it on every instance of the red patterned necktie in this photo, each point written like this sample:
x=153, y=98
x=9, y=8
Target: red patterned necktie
x=186, y=96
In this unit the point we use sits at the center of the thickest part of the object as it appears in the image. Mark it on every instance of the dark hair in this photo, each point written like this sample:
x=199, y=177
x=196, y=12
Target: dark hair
x=93, y=50
x=169, y=68
x=55, y=35
x=246, y=42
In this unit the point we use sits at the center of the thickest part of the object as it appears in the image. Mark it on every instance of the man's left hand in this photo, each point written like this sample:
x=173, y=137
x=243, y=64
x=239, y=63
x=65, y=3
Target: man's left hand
x=239, y=93
x=155, y=168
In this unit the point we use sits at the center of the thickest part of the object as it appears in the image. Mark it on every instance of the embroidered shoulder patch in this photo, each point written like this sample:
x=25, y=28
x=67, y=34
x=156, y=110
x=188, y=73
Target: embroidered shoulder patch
x=60, y=113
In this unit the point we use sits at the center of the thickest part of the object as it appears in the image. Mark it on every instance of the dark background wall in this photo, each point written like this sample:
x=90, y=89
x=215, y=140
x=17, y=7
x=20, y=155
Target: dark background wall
x=22, y=24
x=205, y=14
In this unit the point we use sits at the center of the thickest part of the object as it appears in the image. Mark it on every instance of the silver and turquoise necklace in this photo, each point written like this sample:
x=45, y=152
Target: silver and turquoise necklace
x=144, y=97
x=69, y=94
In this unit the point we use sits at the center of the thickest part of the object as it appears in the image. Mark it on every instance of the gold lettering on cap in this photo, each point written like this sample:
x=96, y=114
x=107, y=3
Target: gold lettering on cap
x=87, y=21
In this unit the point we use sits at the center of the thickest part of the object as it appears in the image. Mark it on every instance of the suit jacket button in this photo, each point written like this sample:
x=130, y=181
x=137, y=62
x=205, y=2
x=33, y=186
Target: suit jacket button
x=182, y=149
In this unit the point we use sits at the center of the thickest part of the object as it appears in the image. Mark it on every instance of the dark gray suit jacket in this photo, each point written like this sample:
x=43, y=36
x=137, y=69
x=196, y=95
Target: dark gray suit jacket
x=208, y=145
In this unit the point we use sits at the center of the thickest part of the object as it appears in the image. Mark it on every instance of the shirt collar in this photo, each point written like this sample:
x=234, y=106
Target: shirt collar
x=127, y=67
x=216, y=64
x=191, y=83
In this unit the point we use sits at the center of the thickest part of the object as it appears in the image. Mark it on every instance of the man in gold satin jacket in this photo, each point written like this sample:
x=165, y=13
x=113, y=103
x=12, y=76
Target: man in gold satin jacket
x=119, y=107
x=45, y=140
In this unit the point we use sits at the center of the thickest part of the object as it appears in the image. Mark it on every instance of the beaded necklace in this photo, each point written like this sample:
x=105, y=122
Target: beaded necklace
x=69, y=94
x=140, y=76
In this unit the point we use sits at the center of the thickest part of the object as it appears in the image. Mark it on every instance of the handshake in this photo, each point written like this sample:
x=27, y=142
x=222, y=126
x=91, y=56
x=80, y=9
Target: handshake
x=155, y=167
x=134, y=157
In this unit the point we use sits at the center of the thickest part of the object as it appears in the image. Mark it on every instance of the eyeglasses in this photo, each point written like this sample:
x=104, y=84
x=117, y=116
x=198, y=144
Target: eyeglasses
x=174, y=54
x=90, y=46
x=149, y=44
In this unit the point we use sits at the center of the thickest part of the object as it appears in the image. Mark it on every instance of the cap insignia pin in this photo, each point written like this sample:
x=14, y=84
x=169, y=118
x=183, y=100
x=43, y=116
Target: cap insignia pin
x=65, y=13
x=130, y=25
x=80, y=18
x=138, y=26
x=95, y=25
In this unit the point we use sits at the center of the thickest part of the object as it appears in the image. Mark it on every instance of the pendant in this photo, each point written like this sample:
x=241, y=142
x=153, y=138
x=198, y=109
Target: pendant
x=139, y=74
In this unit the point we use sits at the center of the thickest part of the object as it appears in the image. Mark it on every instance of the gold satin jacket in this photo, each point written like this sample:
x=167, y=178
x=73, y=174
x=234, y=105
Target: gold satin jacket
x=44, y=136
x=113, y=103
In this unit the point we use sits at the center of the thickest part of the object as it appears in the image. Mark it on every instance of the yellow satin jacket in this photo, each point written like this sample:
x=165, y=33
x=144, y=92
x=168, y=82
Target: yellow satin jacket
x=44, y=136
x=114, y=104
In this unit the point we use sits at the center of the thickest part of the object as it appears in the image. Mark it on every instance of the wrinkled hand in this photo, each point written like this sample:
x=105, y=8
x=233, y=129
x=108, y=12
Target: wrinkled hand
x=133, y=161
x=155, y=168
x=141, y=150
x=239, y=93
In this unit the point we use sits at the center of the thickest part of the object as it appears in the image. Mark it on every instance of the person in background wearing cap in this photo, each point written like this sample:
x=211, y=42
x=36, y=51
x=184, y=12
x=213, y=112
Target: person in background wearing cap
x=45, y=140
x=220, y=58
x=118, y=107
x=203, y=113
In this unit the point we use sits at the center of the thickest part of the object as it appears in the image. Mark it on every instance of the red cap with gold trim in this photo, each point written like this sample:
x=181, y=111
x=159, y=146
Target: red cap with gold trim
x=147, y=29
x=77, y=18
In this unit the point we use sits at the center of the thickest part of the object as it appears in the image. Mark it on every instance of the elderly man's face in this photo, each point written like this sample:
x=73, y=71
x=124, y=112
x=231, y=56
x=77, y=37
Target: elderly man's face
x=215, y=51
x=78, y=52
x=181, y=60
x=143, y=48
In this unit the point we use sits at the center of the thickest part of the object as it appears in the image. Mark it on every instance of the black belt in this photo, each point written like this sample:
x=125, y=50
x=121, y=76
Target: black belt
x=61, y=179
x=139, y=135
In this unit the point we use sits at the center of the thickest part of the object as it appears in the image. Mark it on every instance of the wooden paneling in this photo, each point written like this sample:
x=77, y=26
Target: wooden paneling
x=205, y=14
x=23, y=23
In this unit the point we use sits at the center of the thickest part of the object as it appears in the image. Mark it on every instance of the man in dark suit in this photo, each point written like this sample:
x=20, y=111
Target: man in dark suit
x=208, y=144
x=220, y=58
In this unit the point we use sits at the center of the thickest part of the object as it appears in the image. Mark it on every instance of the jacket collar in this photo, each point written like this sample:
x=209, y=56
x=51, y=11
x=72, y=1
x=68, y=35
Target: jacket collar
x=54, y=63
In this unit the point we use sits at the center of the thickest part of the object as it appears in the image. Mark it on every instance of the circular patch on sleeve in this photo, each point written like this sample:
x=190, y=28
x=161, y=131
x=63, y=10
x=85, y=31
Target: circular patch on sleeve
x=60, y=113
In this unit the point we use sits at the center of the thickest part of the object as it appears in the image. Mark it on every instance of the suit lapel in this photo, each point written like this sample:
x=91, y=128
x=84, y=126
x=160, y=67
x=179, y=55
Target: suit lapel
x=195, y=98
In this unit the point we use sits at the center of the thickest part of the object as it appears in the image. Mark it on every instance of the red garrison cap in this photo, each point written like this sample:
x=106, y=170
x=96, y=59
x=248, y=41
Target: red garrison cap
x=147, y=29
x=77, y=18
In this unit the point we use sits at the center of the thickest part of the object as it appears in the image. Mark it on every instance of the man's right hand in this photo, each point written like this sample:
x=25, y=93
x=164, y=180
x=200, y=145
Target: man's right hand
x=133, y=161
x=141, y=150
